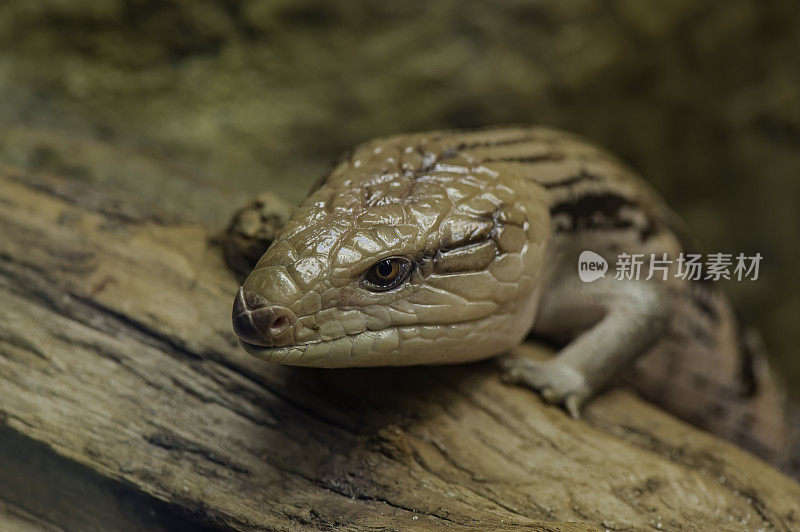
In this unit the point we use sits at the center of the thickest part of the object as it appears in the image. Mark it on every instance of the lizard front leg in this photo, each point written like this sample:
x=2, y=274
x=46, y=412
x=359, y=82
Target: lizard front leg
x=623, y=318
x=251, y=230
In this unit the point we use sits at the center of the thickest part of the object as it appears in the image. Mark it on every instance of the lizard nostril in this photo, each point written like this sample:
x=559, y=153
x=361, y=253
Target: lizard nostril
x=257, y=322
x=281, y=323
x=281, y=319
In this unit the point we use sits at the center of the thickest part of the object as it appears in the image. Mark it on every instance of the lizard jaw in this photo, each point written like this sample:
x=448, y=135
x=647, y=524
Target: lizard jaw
x=368, y=348
x=402, y=345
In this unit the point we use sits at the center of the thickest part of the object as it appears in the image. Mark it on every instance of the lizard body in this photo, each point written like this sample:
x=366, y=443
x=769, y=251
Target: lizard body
x=448, y=247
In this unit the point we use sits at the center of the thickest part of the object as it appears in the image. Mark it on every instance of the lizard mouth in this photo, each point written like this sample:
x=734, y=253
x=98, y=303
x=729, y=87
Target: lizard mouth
x=367, y=348
x=401, y=345
x=267, y=353
x=339, y=352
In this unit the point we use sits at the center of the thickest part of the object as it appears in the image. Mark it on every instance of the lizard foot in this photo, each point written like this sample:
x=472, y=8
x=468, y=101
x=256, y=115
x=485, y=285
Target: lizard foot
x=251, y=230
x=555, y=381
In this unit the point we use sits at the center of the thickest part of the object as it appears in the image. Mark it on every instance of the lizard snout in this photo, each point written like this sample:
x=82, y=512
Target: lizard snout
x=257, y=322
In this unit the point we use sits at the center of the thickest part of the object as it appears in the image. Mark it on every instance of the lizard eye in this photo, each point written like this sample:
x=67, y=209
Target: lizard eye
x=387, y=274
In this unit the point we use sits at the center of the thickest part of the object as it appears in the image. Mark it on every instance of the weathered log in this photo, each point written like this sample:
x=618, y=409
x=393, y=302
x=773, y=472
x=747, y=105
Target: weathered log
x=126, y=403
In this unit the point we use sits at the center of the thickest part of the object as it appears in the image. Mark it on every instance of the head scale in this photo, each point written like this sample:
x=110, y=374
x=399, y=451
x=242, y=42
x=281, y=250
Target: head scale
x=408, y=253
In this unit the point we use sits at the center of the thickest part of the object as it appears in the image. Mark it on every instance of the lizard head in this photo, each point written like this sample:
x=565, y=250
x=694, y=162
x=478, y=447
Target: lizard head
x=407, y=253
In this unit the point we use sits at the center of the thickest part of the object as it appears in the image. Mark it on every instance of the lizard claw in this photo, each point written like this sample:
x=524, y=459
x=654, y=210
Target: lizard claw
x=549, y=395
x=573, y=406
x=556, y=382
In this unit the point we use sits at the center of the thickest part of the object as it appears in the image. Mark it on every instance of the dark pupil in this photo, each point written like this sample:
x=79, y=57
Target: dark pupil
x=385, y=268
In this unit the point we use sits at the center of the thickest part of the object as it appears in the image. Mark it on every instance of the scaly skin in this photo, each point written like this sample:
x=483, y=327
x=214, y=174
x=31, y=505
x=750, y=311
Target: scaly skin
x=492, y=222
x=477, y=238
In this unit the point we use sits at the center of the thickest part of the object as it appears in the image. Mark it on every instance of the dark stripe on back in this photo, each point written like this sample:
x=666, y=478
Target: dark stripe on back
x=527, y=159
x=490, y=144
x=599, y=210
x=581, y=177
x=747, y=359
x=701, y=292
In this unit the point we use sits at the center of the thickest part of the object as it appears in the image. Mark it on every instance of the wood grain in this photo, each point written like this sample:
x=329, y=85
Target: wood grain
x=125, y=403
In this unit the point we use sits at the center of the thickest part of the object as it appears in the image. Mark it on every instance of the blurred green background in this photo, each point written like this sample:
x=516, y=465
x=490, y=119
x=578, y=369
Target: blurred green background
x=199, y=104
